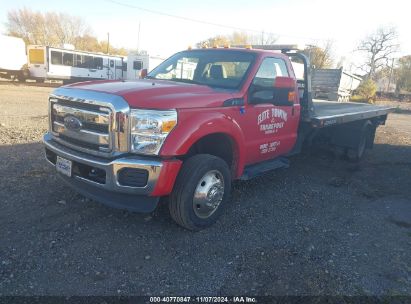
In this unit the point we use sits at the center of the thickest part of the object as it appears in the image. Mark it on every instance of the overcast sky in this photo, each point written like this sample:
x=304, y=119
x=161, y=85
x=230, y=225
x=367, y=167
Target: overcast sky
x=293, y=21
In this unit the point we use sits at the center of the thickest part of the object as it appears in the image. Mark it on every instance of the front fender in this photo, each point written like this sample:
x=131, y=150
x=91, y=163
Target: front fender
x=194, y=124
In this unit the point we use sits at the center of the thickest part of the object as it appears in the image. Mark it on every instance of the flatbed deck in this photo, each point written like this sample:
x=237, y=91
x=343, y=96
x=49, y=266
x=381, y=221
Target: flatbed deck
x=327, y=113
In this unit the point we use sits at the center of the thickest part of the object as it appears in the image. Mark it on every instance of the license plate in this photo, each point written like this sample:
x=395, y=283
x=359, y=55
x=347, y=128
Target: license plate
x=63, y=166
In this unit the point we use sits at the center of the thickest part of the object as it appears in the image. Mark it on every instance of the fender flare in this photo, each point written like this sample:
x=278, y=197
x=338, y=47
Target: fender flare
x=194, y=127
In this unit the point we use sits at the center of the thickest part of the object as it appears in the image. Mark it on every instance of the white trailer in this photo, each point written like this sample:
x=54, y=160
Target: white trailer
x=139, y=61
x=46, y=62
x=12, y=57
x=135, y=63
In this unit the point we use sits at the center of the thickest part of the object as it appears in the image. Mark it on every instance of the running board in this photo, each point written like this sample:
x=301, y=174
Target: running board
x=264, y=167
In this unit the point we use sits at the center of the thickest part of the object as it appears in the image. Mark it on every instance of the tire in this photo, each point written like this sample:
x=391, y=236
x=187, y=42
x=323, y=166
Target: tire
x=23, y=75
x=21, y=78
x=189, y=205
x=357, y=153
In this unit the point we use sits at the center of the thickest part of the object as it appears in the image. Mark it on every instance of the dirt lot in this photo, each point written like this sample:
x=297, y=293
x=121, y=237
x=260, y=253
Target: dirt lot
x=324, y=226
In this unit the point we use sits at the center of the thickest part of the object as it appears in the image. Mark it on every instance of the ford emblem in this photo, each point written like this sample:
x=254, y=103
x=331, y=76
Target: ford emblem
x=72, y=123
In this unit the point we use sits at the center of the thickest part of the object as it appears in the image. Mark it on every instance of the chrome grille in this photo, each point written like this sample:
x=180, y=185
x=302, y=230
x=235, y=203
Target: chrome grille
x=101, y=121
x=95, y=125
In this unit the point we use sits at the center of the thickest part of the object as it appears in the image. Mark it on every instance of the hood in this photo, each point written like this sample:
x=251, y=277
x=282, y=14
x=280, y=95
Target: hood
x=159, y=94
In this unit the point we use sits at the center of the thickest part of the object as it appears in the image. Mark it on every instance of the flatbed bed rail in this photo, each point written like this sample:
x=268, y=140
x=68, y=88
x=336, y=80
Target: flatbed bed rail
x=328, y=113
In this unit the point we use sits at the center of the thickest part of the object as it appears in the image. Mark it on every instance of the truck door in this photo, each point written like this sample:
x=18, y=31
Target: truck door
x=272, y=123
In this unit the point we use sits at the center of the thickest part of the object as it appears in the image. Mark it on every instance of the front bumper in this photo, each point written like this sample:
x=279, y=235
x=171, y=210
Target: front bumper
x=108, y=189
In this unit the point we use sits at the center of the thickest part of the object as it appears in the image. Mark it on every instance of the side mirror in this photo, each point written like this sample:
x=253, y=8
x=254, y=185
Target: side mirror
x=284, y=83
x=282, y=92
x=285, y=91
x=143, y=73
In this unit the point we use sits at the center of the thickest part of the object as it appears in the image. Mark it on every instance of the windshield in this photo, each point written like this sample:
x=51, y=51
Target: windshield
x=215, y=68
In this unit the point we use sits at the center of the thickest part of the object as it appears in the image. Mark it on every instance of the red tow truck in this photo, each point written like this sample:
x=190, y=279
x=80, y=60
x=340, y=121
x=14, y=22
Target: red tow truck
x=201, y=119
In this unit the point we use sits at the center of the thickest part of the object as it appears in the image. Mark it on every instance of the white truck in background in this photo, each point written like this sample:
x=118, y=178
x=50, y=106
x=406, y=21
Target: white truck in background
x=329, y=84
x=13, y=58
x=333, y=84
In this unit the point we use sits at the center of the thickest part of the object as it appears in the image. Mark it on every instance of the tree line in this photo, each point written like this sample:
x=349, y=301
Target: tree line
x=378, y=48
x=56, y=29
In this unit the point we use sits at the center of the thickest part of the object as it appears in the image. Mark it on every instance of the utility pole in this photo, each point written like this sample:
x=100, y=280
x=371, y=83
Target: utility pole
x=389, y=79
x=108, y=41
x=138, y=37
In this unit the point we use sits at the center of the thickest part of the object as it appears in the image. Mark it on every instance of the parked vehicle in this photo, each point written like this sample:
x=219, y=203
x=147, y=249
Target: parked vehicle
x=12, y=58
x=136, y=62
x=198, y=121
x=333, y=84
x=51, y=63
x=69, y=65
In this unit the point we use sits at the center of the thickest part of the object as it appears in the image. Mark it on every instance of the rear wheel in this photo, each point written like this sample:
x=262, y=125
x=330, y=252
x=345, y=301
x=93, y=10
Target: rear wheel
x=357, y=153
x=201, y=191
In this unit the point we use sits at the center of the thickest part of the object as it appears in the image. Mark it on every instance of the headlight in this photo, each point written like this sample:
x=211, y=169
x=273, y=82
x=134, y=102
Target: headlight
x=149, y=129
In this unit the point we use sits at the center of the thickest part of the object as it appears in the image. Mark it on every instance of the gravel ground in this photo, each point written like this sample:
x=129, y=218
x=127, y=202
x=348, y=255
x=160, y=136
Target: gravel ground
x=323, y=227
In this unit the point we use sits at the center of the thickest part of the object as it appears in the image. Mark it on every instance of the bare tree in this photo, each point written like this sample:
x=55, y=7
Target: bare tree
x=320, y=56
x=239, y=38
x=66, y=28
x=218, y=40
x=263, y=39
x=22, y=23
x=50, y=28
x=378, y=48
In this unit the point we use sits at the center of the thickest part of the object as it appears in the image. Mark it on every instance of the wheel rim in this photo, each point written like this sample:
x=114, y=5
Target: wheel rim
x=208, y=194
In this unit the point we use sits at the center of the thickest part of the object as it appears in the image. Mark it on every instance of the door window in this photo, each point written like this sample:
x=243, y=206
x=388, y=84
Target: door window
x=269, y=70
x=263, y=82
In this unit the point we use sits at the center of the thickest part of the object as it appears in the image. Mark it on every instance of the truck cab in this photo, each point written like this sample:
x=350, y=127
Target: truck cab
x=198, y=121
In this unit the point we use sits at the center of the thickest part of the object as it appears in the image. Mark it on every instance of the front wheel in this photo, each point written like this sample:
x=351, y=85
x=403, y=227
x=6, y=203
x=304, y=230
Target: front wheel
x=201, y=191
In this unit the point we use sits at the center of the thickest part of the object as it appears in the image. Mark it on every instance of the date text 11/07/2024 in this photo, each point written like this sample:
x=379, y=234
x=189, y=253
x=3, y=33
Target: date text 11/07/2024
x=237, y=299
